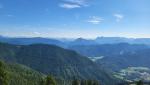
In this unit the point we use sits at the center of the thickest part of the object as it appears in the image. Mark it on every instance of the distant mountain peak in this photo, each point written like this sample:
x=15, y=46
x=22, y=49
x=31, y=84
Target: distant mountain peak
x=80, y=39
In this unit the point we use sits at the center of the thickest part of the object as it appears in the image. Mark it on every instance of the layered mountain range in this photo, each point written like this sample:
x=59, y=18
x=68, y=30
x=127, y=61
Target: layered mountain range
x=80, y=58
x=78, y=41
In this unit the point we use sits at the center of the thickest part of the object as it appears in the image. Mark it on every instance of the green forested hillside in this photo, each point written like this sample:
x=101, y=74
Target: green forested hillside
x=8, y=52
x=61, y=63
x=17, y=74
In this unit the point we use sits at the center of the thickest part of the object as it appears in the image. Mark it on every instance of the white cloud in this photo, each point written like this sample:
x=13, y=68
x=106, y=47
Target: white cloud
x=118, y=17
x=79, y=2
x=37, y=33
x=69, y=6
x=95, y=20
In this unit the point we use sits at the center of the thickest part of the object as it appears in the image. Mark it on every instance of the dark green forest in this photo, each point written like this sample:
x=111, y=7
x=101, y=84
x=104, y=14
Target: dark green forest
x=16, y=74
x=32, y=65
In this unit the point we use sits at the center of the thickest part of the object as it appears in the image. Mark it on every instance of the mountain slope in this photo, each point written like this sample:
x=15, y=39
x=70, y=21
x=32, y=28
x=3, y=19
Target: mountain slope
x=28, y=41
x=61, y=63
x=21, y=75
x=8, y=52
x=81, y=41
x=106, y=50
x=140, y=58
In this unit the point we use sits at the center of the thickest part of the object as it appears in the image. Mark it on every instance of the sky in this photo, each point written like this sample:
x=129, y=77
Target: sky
x=75, y=18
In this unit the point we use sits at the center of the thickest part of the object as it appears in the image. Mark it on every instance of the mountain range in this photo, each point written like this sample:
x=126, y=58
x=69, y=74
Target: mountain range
x=69, y=59
x=79, y=41
x=107, y=50
x=59, y=62
x=139, y=58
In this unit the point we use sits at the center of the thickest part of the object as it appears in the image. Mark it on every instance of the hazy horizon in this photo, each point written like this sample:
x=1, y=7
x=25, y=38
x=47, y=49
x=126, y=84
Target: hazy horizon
x=74, y=37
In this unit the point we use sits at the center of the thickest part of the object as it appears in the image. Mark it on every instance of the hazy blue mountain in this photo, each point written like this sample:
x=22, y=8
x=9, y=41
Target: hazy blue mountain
x=139, y=58
x=81, y=41
x=106, y=50
x=142, y=41
x=112, y=40
x=28, y=41
x=64, y=42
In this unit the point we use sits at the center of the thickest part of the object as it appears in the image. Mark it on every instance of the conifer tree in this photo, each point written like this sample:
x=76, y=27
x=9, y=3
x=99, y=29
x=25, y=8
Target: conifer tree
x=42, y=82
x=83, y=82
x=140, y=82
x=3, y=75
x=90, y=82
x=50, y=80
x=96, y=83
x=75, y=82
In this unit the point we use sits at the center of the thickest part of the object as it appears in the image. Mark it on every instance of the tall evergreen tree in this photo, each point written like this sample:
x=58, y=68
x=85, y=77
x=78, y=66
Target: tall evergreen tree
x=84, y=82
x=42, y=82
x=140, y=82
x=96, y=83
x=50, y=80
x=75, y=82
x=90, y=82
x=3, y=75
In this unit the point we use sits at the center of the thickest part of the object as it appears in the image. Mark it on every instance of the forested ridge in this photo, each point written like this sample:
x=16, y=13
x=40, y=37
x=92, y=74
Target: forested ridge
x=43, y=60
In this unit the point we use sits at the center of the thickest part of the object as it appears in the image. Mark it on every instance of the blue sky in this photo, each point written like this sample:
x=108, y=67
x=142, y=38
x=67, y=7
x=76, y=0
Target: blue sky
x=75, y=18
